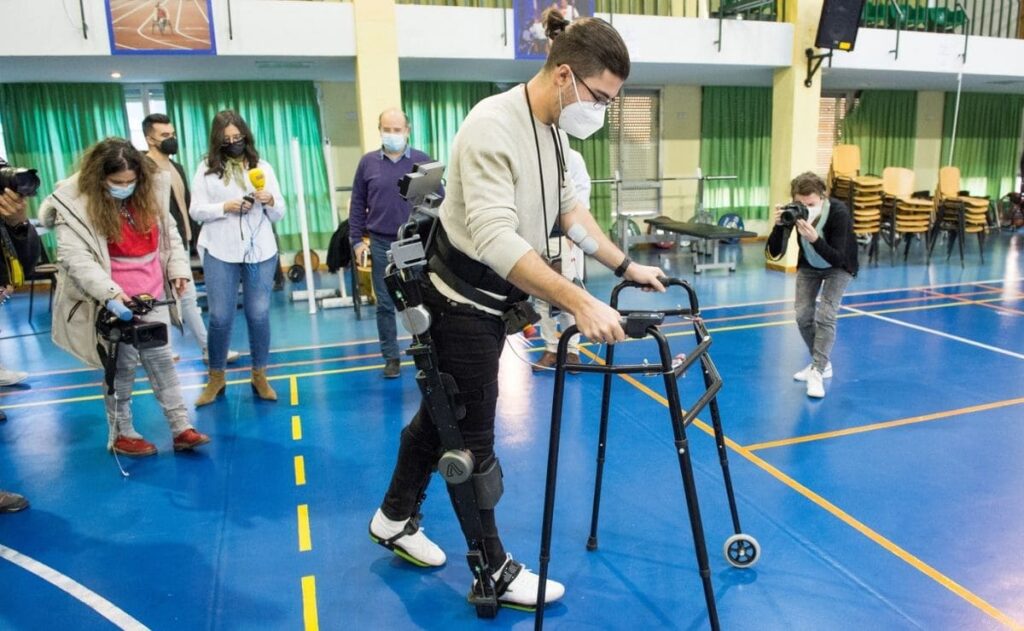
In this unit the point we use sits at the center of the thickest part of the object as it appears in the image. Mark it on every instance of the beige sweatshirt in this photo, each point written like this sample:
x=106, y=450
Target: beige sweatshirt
x=492, y=209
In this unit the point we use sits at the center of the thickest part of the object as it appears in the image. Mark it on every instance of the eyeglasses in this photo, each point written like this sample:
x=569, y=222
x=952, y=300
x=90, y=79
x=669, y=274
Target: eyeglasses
x=600, y=102
x=232, y=139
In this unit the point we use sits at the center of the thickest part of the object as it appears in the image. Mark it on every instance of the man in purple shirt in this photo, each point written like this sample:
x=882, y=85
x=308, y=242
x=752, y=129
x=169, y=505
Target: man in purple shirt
x=379, y=211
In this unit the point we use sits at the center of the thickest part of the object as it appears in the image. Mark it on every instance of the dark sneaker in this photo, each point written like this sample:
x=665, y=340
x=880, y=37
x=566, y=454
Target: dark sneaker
x=12, y=502
x=546, y=361
x=392, y=368
x=133, y=446
x=189, y=440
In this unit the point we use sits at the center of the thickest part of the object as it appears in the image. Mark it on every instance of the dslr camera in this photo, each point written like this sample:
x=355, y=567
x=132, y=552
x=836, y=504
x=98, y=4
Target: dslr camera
x=122, y=324
x=791, y=212
x=24, y=182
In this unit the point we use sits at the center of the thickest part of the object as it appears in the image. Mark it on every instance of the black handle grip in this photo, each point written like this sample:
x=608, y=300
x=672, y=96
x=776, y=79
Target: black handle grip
x=667, y=282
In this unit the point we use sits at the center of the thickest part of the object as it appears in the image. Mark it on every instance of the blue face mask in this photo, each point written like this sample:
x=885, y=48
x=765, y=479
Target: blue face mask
x=393, y=143
x=121, y=192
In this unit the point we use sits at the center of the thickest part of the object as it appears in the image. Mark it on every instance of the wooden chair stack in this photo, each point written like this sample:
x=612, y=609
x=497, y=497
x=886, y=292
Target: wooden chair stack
x=863, y=193
x=904, y=215
x=958, y=214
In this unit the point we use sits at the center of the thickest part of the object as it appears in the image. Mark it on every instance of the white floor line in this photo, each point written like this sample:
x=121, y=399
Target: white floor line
x=91, y=599
x=957, y=338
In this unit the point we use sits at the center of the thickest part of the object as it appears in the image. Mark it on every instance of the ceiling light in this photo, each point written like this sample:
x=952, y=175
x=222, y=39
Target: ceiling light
x=115, y=75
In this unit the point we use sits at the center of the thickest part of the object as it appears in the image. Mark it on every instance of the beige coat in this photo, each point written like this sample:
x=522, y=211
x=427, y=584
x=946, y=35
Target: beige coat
x=83, y=267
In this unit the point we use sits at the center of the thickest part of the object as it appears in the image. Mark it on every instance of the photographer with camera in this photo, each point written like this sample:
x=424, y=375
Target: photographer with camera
x=116, y=240
x=826, y=265
x=19, y=251
x=507, y=185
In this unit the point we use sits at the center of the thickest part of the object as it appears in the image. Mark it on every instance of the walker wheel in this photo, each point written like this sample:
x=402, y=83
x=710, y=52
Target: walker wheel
x=741, y=550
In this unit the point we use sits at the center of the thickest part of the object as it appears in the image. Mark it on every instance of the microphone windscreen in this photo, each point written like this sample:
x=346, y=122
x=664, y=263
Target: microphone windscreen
x=257, y=178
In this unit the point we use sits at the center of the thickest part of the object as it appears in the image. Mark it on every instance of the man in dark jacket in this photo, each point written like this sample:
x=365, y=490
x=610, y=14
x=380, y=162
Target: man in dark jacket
x=827, y=263
x=21, y=237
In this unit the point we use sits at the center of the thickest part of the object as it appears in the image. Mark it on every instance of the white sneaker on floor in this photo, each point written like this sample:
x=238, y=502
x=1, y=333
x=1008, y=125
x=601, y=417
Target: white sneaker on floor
x=815, y=384
x=11, y=377
x=522, y=584
x=233, y=356
x=802, y=374
x=412, y=546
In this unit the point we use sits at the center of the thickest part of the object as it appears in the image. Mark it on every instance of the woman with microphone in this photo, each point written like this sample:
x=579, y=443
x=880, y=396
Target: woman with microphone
x=236, y=197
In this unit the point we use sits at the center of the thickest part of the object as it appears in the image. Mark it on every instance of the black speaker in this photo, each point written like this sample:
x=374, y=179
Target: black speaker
x=839, y=22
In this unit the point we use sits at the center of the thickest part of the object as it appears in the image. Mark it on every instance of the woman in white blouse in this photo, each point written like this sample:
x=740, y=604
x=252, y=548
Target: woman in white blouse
x=236, y=197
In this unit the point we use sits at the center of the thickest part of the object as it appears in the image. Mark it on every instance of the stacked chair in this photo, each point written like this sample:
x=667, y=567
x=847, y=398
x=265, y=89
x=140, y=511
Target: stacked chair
x=958, y=214
x=903, y=214
x=863, y=193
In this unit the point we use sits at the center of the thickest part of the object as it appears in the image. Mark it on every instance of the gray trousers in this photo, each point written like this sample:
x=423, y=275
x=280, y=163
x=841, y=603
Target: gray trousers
x=159, y=365
x=817, y=323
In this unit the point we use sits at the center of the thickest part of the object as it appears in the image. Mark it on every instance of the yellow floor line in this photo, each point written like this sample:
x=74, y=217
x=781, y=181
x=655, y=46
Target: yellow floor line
x=300, y=471
x=305, y=540
x=860, y=429
x=310, y=617
x=296, y=427
x=294, y=388
x=839, y=513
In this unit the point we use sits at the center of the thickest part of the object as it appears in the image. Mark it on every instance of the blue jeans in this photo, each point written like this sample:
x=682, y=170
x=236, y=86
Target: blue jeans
x=222, y=299
x=817, y=323
x=387, y=329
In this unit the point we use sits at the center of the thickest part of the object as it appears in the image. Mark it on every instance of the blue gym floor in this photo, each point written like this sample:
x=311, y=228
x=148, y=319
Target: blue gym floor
x=894, y=503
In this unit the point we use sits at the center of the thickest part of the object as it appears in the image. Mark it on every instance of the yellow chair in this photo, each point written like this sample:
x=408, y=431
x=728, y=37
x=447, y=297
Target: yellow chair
x=863, y=194
x=958, y=215
x=903, y=214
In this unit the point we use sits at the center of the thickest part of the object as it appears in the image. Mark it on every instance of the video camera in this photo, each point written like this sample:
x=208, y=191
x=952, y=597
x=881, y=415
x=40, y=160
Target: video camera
x=24, y=182
x=791, y=212
x=118, y=323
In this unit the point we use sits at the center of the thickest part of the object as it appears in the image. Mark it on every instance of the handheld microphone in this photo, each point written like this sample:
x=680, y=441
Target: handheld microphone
x=117, y=308
x=257, y=178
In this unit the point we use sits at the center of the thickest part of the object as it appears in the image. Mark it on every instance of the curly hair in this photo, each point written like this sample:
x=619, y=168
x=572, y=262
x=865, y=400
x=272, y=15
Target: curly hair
x=105, y=158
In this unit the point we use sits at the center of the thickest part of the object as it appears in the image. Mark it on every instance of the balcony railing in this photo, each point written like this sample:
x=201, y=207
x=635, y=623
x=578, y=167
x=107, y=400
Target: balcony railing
x=988, y=18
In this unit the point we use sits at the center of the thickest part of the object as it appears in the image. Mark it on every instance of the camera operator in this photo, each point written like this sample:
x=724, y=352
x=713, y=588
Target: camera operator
x=115, y=239
x=20, y=236
x=507, y=184
x=827, y=264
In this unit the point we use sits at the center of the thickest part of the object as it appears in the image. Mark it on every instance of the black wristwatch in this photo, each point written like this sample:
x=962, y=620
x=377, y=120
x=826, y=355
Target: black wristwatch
x=620, y=271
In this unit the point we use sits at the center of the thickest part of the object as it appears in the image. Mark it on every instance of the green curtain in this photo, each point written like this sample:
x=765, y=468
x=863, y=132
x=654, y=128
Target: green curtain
x=596, y=152
x=436, y=109
x=736, y=139
x=987, y=137
x=48, y=126
x=634, y=7
x=884, y=126
x=276, y=112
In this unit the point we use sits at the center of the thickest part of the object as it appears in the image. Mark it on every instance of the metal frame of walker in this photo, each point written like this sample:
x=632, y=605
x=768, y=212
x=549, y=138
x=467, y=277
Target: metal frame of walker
x=741, y=550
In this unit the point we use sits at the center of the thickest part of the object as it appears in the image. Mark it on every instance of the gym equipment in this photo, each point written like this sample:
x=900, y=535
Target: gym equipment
x=708, y=235
x=741, y=550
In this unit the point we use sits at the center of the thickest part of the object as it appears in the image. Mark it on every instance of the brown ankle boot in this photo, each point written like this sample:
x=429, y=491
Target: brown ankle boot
x=213, y=389
x=261, y=386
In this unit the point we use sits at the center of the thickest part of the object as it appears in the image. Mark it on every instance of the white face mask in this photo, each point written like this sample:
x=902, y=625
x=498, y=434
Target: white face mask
x=393, y=143
x=121, y=192
x=582, y=118
x=814, y=212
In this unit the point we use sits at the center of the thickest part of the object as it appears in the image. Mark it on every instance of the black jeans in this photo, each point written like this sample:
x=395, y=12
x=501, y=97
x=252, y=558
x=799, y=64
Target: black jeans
x=468, y=343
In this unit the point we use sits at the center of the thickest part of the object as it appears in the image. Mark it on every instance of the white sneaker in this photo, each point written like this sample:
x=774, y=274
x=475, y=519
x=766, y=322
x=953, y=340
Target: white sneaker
x=233, y=356
x=815, y=384
x=11, y=377
x=802, y=374
x=413, y=546
x=521, y=592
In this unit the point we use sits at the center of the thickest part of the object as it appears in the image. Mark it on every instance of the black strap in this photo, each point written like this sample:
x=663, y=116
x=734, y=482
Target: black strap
x=470, y=270
x=440, y=267
x=508, y=574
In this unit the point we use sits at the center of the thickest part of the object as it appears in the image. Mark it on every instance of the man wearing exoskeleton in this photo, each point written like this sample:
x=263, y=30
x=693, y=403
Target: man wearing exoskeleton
x=507, y=183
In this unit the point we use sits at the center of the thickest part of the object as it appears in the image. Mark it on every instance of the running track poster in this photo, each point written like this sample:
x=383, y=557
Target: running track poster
x=161, y=27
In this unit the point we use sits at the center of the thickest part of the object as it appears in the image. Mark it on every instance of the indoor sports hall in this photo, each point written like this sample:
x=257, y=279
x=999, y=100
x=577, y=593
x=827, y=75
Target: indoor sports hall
x=828, y=181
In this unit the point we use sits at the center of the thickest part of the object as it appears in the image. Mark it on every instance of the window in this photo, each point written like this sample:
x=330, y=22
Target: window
x=634, y=129
x=139, y=102
x=834, y=108
x=3, y=145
